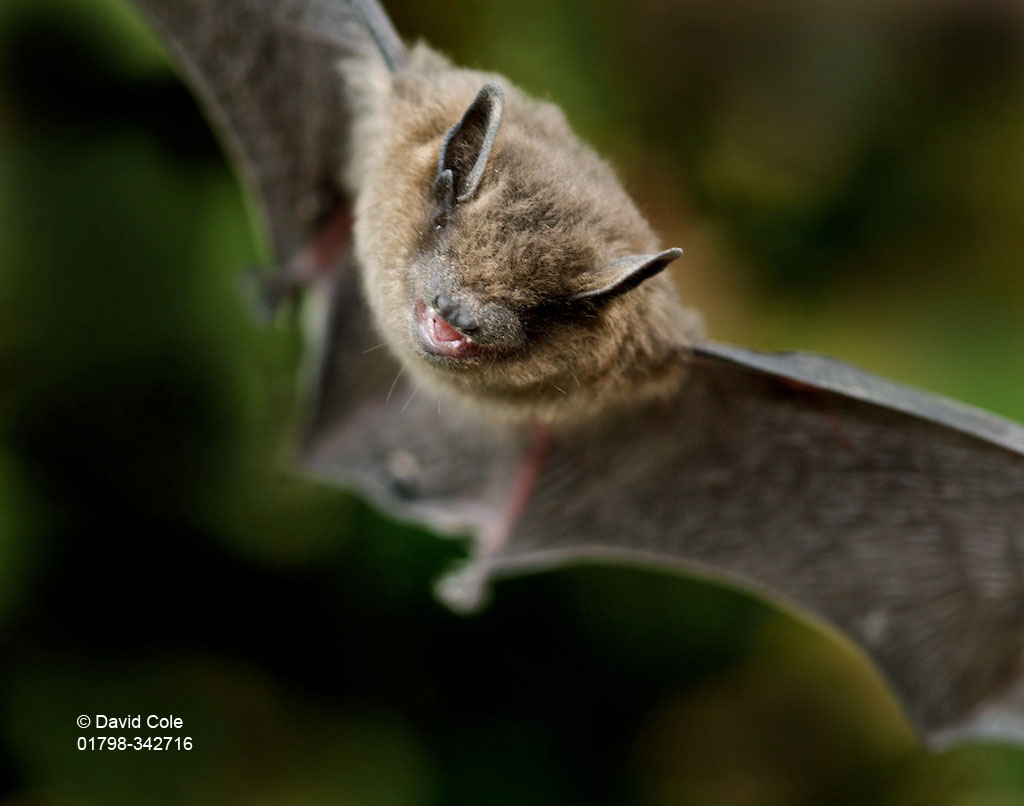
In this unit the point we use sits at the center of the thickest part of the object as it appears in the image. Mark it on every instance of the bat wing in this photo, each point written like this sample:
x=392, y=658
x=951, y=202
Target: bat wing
x=267, y=74
x=895, y=515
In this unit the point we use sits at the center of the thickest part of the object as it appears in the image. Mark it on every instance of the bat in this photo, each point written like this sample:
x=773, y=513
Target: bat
x=540, y=385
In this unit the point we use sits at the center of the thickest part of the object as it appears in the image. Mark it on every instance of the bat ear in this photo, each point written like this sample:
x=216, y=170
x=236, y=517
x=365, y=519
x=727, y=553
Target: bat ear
x=467, y=146
x=624, y=275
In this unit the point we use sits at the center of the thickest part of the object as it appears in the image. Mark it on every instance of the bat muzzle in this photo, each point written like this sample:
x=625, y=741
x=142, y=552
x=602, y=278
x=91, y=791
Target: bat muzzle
x=441, y=338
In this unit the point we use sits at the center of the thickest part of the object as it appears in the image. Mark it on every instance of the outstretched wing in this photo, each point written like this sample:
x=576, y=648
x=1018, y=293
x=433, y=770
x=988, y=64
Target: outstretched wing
x=267, y=74
x=895, y=515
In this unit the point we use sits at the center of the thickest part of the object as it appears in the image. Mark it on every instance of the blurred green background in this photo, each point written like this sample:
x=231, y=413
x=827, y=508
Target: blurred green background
x=845, y=177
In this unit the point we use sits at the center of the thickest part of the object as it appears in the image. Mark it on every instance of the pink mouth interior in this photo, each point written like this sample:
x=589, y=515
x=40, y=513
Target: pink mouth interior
x=441, y=338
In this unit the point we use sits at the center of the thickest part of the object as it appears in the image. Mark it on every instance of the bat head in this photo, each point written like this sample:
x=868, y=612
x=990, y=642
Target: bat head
x=514, y=269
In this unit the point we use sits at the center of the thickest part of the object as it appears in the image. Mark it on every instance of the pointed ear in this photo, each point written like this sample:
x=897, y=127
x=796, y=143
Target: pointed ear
x=624, y=275
x=467, y=146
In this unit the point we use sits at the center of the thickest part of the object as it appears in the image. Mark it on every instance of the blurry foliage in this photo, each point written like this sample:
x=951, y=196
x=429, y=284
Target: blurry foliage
x=845, y=177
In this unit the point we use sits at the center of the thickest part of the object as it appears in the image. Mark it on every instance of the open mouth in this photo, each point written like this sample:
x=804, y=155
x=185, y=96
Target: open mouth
x=440, y=338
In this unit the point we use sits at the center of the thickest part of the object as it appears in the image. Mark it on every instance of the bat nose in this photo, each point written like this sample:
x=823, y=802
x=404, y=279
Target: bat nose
x=454, y=314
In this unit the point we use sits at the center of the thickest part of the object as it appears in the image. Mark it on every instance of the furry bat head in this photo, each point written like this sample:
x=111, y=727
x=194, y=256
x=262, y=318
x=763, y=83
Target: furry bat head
x=503, y=261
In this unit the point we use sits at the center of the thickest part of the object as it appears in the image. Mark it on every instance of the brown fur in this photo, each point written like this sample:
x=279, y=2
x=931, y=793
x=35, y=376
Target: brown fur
x=547, y=212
